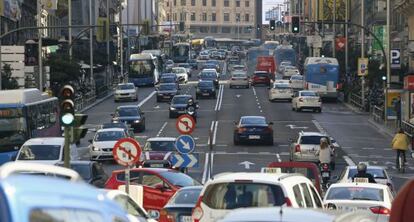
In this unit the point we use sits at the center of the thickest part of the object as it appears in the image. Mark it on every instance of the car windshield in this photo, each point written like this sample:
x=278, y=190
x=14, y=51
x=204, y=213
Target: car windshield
x=253, y=120
x=125, y=86
x=311, y=140
x=180, y=100
x=205, y=84
x=179, y=179
x=308, y=93
x=83, y=169
x=242, y=194
x=114, y=125
x=238, y=67
x=261, y=74
x=167, y=87
x=355, y=193
x=208, y=75
x=186, y=196
x=130, y=111
x=376, y=172
x=109, y=136
x=296, y=77
x=159, y=146
x=39, y=152
x=167, y=80
x=179, y=70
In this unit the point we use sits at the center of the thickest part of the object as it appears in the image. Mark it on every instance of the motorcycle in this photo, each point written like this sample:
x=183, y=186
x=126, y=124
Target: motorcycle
x=326, y=175
x=192, y=111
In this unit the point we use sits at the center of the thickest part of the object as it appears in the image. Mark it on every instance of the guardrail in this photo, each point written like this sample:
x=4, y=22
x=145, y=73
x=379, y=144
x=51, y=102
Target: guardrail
x=377, y=114
x=356, y=101
x=84, y=101
x=408, y=128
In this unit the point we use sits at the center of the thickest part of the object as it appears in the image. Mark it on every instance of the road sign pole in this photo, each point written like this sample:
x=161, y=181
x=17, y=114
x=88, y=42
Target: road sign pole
x=66, y=147
x=127, y=179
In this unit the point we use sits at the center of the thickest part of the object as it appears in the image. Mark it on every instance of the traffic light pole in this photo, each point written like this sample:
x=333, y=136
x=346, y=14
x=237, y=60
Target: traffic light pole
x=66, y=148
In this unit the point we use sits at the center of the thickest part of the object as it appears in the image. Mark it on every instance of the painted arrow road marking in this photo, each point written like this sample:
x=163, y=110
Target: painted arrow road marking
x=246, y=164
x=296, y=127
x=238, y=96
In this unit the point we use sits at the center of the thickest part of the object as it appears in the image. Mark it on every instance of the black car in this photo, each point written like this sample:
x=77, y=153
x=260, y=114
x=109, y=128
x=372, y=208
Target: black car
x=209, y=75
x=206, y=88
x=91, y=172
x=253, y=129
x=181, y=204
x=131, y=115
x=179, y=105
x=166, y=91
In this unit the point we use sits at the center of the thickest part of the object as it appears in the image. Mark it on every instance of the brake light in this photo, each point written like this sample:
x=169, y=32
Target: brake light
x=197, y=212
x=380, y=210
x=297, y=148
x=300, y=99
x=242, y=129
x=288, y=202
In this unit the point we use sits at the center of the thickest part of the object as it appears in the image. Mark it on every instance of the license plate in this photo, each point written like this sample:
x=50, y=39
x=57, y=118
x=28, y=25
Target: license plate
x=181, y=111
x=166, y=97
x=186, y=219
x=157, y=165
x=325, y=174
x=205, y=94
x=254, y=137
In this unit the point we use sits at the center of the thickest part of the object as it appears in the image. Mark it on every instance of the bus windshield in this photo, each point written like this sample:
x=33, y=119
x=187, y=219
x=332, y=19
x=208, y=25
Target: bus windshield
x=12, y=127
x=285, y=55
x=141, y=68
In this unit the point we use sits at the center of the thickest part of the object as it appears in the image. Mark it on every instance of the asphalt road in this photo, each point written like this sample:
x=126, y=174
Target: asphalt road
x=359, y=139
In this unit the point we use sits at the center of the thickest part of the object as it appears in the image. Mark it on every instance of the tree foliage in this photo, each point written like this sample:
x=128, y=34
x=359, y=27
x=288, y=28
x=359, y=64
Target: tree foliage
x=62, y=69
x=7, y=81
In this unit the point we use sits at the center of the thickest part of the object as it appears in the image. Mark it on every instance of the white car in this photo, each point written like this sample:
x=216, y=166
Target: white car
x=126, y=91
x=378, y=172
x=359, y=196
x=297, y=82
x=45, y=150
x=239, y=68
x=306, y=99
x=239, y=79
x=229, y=191
x=280, y=91
x=181, y=73
x=186, y=66
x=282, y=66
x=289, y=71
x=103, y=142
x=204, y=55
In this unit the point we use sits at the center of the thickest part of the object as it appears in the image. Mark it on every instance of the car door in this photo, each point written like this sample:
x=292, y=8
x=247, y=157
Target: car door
x=307, y=195
x=99, y=176
x=156, y=191
x=315, y=196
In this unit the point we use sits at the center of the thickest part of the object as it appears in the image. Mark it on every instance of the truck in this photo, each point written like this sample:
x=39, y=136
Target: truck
x=266, y=63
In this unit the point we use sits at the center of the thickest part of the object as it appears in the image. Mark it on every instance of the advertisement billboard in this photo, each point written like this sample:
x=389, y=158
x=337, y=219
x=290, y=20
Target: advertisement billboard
x=326, y=9
x=272, y=10
x=393, y=96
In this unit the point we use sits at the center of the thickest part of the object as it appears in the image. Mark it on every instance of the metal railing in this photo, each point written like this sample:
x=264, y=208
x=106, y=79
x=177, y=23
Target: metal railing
x=356, y=101
x=408, y=128
x=377, y=113
x=84, y=100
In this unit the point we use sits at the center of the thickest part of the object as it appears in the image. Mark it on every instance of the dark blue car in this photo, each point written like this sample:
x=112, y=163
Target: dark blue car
x=253, y=129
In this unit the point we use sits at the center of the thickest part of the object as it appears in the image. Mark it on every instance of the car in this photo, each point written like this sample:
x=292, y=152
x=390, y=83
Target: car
x=155, y=185
x=228, y=191
x=379, y=173
x=306, y=99
x=289, y=71
x=128, y=131
x=45, y=150
x=305, y=146
x=181, y=73
x=128, y=204
x=204, y=55
x=297, y=82
x=253, y=129
x=169, y=78
x=239, y=79
x=239, y=68
x=193, y=63
x=209, y=74
x=157, y=151
x=280, y=91
x=180, y=206
x=63, y=197
x=206, y=88
x=91, y=172
x=186, y=66
x=178, y=105
x=282, y=65
x=260, y=77
x=376, y=198
x=166, y=91
x=232, y=61
x=131, y=115
x=210, y=66
x=215, y=63
x=221, y=55
x=169, y=64
x=103, y=142
x=125, y=91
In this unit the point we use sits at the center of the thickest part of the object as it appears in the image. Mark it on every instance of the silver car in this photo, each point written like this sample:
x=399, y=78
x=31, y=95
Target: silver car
x=239, y=79
x=126, y=91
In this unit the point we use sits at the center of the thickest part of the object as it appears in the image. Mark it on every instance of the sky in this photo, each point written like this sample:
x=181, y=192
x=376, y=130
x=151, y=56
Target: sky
x=269, y=4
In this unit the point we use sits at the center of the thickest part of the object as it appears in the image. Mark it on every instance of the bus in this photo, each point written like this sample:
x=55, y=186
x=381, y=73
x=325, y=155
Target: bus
x=322, y=76
x=271, y=46
x=143, y=69
x=209, y=42
x=285, y=53
x=25, y=114
x=181, y=52
x=157, y=53
x=252, y=55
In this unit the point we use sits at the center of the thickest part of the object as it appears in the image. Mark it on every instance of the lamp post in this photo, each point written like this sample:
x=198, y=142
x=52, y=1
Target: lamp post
x=387, y=37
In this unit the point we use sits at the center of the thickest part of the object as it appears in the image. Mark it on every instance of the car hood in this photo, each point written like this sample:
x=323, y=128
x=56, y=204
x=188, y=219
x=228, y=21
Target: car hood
x=104, y=144
x=179, y=105
x=124, y=91
x=157, y=155
x=167, y=91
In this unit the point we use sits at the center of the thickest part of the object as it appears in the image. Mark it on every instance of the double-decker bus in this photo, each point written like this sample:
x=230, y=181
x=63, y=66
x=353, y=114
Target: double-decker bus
x=143, y=69
x=322, y=76
x=209, y=42
x=252, y=55
x=181, y=52
x=25, y=114
x=285, y=53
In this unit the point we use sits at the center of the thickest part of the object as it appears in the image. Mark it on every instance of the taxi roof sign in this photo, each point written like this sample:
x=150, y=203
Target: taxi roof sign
x=361, y=180
x=271, y=170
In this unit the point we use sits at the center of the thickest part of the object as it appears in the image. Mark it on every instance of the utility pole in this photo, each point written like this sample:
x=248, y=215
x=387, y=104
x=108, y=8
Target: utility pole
x=171, y=16
x=388, y=58
x=1, y=64
x=91, y=43
x=70, y=28
x=346, y=35
x=334, y=29
x=40, y=35
x=121, y=36
x=66, y=146
x=127, y=27
x=107, y=44
x=363, y=51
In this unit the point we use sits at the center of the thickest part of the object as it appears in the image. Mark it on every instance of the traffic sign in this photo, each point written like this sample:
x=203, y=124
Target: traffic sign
x=185, y=124
x=185, y=144
x=126, y=151
x=185, y=160
x=362, y=66
x=395, y=58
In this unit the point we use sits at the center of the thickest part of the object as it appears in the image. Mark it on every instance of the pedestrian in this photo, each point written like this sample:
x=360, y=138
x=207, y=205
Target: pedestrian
x=400, y=143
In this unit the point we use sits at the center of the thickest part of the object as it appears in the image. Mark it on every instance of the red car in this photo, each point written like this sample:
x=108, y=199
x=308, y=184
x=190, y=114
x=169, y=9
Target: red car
x=260, y=77
x=159, y=184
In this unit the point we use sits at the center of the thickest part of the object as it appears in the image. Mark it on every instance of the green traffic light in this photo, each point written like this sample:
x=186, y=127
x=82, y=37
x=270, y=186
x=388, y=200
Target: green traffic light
x=67, y=119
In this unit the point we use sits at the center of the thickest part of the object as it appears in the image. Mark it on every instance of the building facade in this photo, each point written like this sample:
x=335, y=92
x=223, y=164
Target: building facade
x=406, y=8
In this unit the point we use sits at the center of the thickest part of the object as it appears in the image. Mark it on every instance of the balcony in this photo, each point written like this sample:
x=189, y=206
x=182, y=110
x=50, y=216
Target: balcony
x=404, y=6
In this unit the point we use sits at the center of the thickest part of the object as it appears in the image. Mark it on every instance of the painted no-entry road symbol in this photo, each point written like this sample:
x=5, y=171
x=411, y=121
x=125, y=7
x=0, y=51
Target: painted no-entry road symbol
x=185, y=124
x=126, y=151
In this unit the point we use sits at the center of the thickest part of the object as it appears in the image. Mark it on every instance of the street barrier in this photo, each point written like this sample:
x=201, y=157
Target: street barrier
x=356, y=101
x=377, y=114
x=408, y=128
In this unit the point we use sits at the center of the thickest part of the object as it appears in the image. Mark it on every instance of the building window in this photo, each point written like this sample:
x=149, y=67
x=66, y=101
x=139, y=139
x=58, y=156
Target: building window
x=213, y=29
x=193, y=2
x=183, y=2
x=213, y=3
x=175, y=16
x=168, y=17
x=247, y=29
x=193, y=16
x=204, y=2
x=204, y=18
x=213, y=16
x=175, y=2
x=168, y=4
x=226, y=3
x=203, y=29
x=247, y=3
x=183, y=16
x=237, y=18
x=246, y=17
x=225, y=29
x=237, y=3
x=226, y=17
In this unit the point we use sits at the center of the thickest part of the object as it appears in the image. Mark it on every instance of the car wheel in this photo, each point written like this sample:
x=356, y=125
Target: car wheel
x=319, y=110
x=236, y=142
x=115, y=100
x=298, y=109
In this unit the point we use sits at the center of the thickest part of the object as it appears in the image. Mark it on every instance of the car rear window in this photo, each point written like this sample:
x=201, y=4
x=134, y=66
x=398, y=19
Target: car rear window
x=253, y=120
x=130, y=111
x=168, y=87
x=296, y=78
x=206, y=84
x=243, y=194
x=159, y=146
x=311, y=140
x=125, y=86
x=355, y=193
x=167, y=80
x=186, y=196
x=308, y=94
x=282, y=86
x=39, y=152
x=377, y=173
x=261, y=74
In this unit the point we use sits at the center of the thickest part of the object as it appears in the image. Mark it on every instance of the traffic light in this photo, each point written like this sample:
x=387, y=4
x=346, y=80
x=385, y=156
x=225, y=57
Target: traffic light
x=182, y=26
x=295, y=24
x=67, y=106
x=79, y=131
x=272, y=24
x=258, y=27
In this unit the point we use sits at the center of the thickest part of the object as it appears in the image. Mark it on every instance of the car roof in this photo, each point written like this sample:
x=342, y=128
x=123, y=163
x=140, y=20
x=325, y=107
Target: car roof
x=255, y=177
x=185, y=95
x=302, y=133
x=161, y=139
x=301, y=91
x=78, y=162
x=128, y=83
x=178, y=68
x=209, y=70
x=368, y=166
x=191, y=188
x=110, y=130
x=155, y=170
x=239, y=72
x=45, y=140
x=168, y=84
x=203, y=80
x=127, y=106
x=257, y=71
x=356, y=184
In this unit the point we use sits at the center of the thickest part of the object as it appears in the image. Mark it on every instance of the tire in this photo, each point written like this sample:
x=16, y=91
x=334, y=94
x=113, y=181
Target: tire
x=235, y=141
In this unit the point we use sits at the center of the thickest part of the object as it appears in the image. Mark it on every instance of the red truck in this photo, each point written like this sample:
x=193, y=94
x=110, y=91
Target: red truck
x=268, y=64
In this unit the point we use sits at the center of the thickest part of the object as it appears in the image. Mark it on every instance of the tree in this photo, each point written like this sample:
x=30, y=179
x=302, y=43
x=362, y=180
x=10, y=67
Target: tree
x=7, y=81
x=62, y=69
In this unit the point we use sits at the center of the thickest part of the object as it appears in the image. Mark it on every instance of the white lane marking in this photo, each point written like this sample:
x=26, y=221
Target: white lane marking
x=284, y=153
x=222, y=145
x=349, y=161
x=162, y=129
x=278, y=158
x=147, y=98
x=284, y=145
x=218, y=98
x=242, y=152
x=221, y=98
x=215, y=133
x=368, y=148
x=318, y=126
x=203, y=180
x=211, y=166
x=254, y=91
x=210, y=135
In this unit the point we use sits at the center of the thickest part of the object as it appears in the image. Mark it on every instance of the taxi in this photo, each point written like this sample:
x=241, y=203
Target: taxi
x=280, y=91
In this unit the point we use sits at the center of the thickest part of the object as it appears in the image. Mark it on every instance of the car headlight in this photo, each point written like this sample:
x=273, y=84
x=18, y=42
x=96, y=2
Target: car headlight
x=94, y=148
x=172, y=108
x=137, y=121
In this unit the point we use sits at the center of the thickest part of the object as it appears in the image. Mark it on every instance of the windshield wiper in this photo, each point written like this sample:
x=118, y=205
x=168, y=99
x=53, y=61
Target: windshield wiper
x=362, y=198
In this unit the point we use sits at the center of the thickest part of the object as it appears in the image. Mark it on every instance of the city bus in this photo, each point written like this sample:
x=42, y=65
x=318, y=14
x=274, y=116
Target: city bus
x=181, y=52
x=25, y=114
x=285, y=53
x=209, y=42
x=143, y=69
x=322, y=76
x=271, y=46
x=157, y=53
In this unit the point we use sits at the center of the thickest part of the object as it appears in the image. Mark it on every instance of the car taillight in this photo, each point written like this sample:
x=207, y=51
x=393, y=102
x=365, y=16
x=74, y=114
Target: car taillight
x=297, y=148
x=242, y=129
x=197, y=212
x=380, y=210
x=165, y=217
x=300, y=99
x=288, y=202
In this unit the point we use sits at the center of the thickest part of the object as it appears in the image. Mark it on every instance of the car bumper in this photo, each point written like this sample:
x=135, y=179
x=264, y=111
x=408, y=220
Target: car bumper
x=205, y=94
x=266, y=82
x=164, y=97
x=280, y=96
x=311, y=157
x=125, y=97
x=254, y=137
x=177, y=112
x=101, y=155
